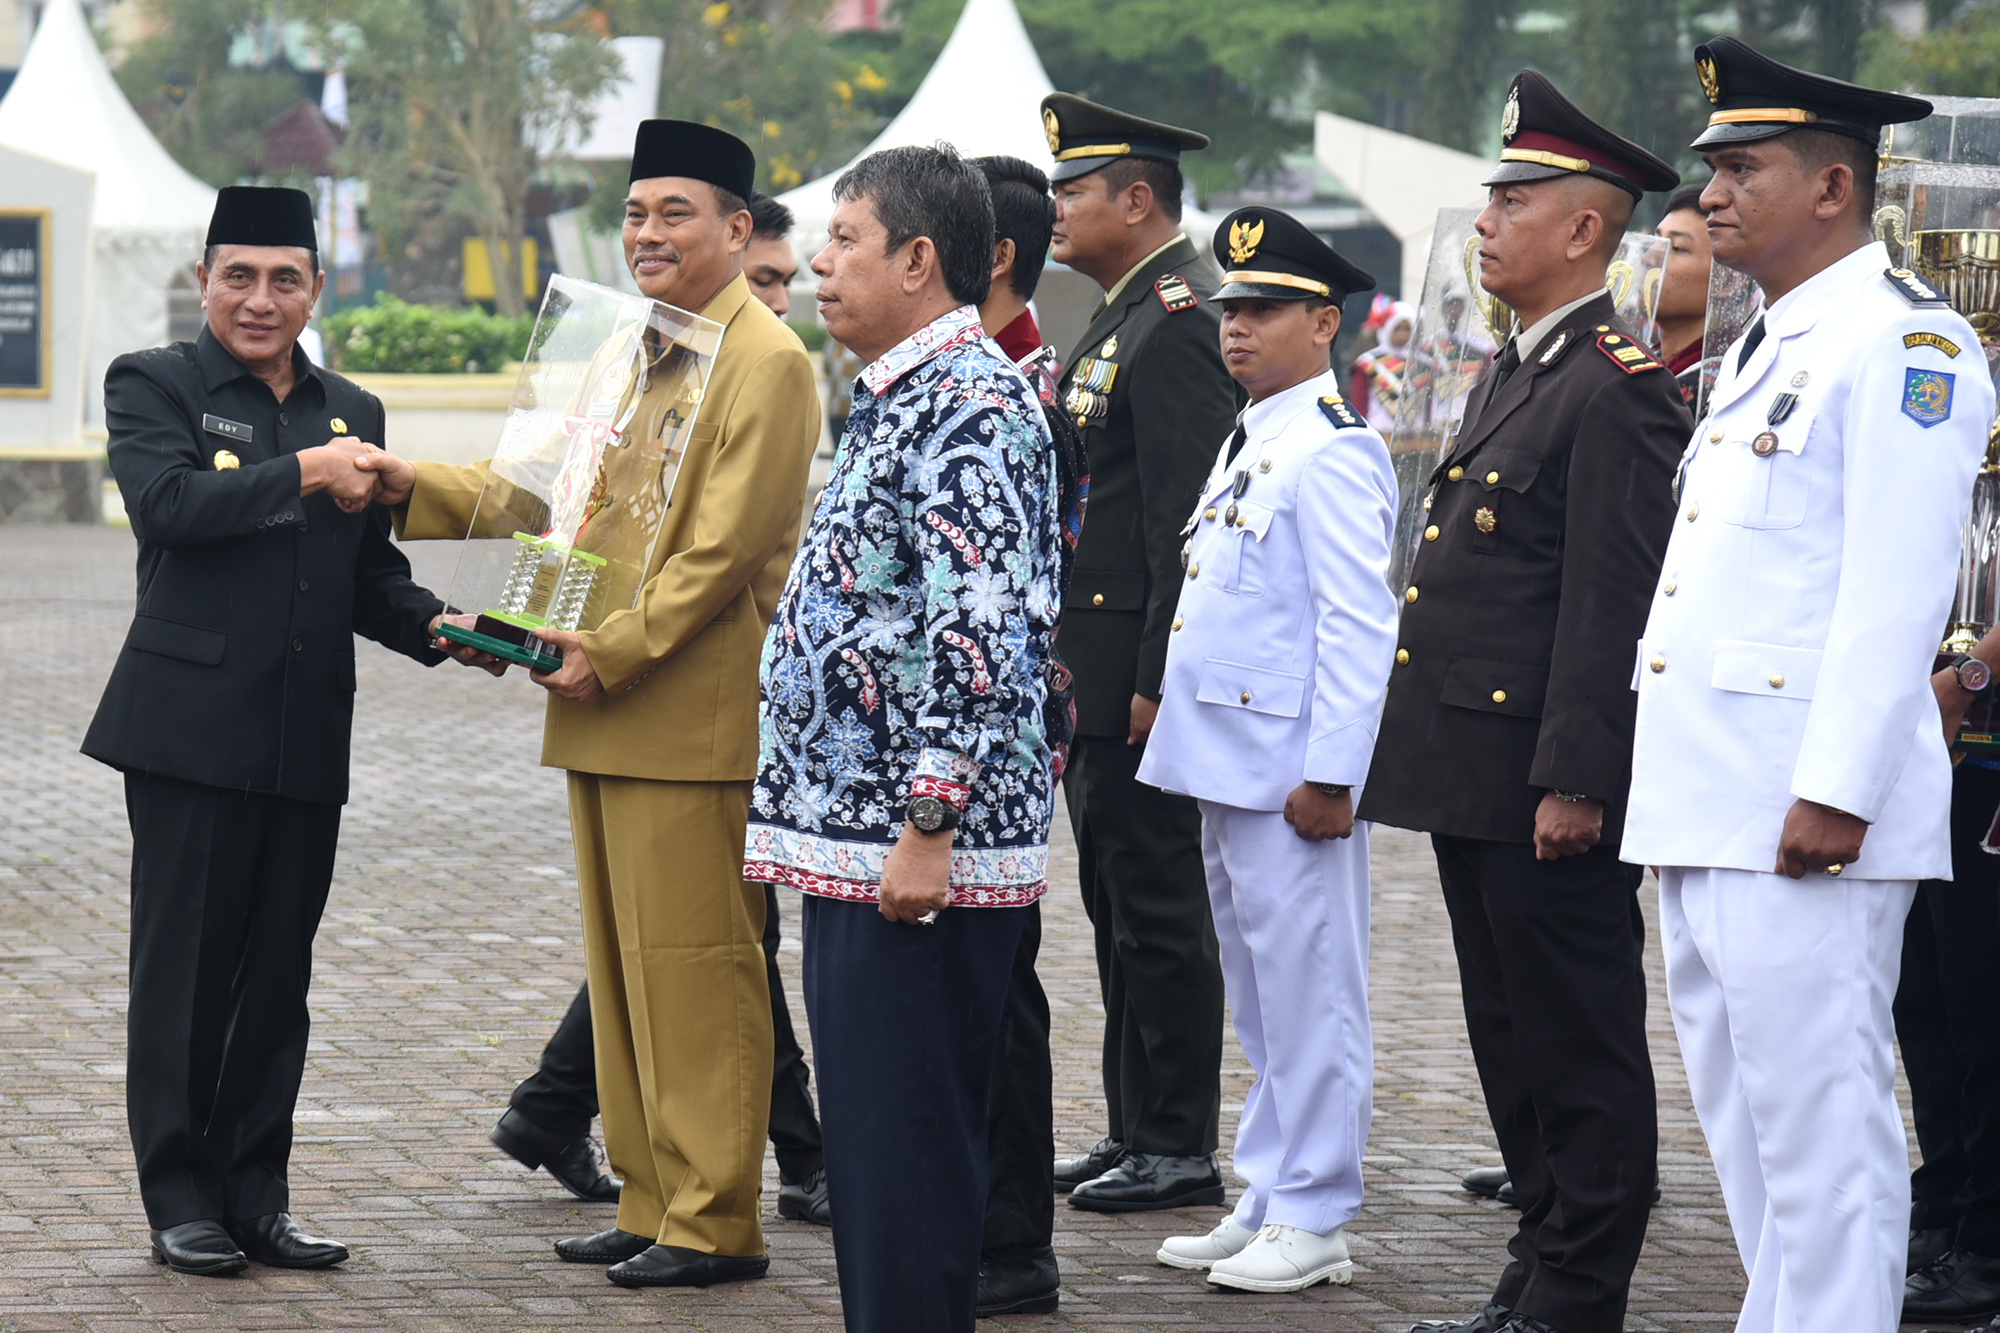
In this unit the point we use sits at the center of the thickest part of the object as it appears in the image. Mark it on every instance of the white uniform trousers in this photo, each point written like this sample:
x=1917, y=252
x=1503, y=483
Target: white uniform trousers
x=1291, y=917
x=1781, y=993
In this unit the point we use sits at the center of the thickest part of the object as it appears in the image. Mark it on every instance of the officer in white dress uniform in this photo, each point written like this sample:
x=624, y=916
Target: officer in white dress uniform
x=1276, y=665
x=1789, y=770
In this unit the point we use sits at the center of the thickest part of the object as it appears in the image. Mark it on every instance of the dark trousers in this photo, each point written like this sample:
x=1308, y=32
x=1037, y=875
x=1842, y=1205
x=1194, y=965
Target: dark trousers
x=1549, y=963
x=227, y=891
x=1020, y=1115
x=561, y=1095
x=905, y=1019
x=1144, y=889
x=1948, y=1025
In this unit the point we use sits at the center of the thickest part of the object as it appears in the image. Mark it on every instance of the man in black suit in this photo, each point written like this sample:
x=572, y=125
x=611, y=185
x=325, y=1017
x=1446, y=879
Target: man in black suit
x=1507, y=734
x=1147, y=388
x=229, y=711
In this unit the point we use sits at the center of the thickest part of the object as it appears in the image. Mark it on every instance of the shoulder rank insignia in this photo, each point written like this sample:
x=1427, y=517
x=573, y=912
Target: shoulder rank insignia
x=1339, y=413
x=1174, y=292
x=1627, y=355
x=1912, y=288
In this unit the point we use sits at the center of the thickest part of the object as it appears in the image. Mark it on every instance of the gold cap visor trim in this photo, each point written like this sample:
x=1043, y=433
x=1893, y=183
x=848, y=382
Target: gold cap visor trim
x=1544, y=159
x=1789, y=115
x=1094, y=150
x=1278, y=280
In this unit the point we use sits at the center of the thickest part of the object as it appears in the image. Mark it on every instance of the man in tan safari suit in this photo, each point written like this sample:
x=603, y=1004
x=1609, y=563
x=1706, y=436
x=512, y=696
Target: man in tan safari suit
x=653, y=714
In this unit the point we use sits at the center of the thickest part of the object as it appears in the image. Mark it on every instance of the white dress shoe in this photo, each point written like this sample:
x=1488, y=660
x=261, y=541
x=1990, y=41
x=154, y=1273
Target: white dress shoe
x=1283, y=1258
x=1198, y=1252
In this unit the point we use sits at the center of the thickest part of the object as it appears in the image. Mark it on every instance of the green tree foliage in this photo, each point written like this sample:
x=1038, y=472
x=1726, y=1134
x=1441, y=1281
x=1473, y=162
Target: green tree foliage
x=1245, y=77
x=1959, y=56
x=393, y=337
x=766, y=73
x=209, y=114
x=449, y=99
x=1467, y=41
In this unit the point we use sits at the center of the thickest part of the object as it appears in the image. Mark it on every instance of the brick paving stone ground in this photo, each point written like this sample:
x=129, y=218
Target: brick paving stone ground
x=449, y=950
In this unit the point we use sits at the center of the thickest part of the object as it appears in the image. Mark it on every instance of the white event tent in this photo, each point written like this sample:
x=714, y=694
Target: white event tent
x=148, y=216
x=983, y=96
x=1402, y=180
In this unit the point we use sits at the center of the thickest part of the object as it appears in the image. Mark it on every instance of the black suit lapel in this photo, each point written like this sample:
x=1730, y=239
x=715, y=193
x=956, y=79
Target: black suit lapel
x=1520, y=386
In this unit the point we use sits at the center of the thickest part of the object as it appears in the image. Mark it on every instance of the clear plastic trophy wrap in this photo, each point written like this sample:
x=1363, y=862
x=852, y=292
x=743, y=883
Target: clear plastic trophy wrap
x=1938, y=211
x=1460, y=328
x=577, y=492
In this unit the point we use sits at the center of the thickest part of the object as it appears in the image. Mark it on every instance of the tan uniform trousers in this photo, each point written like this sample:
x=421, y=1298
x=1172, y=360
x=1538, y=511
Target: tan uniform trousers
x=679, y=1003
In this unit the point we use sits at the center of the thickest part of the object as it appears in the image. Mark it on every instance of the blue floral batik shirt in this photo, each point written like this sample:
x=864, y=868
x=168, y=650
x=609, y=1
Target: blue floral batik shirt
x=909, y=651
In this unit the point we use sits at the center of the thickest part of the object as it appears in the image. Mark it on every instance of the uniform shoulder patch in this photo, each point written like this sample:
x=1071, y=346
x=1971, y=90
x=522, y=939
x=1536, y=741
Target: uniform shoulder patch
x=1627, y=355
x=1912, y=288
x=1937, y=340
x=1174, y=293
x=1339, y=413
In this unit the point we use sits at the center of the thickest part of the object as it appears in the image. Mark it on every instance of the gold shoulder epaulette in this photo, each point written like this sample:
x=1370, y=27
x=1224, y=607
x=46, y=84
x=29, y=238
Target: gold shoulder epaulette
x=1627, y=355
x=1174, y=293
x=1912, y=288
x=1339, y=413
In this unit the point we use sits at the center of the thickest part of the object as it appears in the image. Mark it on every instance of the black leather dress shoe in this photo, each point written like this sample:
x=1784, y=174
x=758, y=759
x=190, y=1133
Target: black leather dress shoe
x=606, y=1247
x=1145, y=1181
x=1073, y=1171
x=1928, y=1246
x=1485, y=1181
x=1019, y=1283
x=277, y=1240
x=805, y=1200
x=1958, y=1285
x=203, y=1248
x=1488, y=1320
x=1520, y=1323
x=678, y=1266
x=571, y=1161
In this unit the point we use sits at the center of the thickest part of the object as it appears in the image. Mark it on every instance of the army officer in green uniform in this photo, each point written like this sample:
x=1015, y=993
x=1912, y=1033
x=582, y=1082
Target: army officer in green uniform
x=1149, y=391
x=228, y=711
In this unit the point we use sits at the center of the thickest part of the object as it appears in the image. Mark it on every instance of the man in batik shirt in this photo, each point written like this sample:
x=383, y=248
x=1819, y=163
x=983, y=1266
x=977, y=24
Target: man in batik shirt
x=905, y=775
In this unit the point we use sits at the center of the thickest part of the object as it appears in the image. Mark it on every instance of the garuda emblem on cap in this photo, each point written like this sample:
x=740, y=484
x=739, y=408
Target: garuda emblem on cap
x=1053, y=129
x=1510, y=116
x=1244, y=238
x=1711, y=83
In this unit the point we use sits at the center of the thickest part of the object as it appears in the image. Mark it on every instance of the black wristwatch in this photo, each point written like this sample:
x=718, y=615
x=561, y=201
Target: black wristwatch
x=1974, y=676
x=1333, y=788
x=1569, y=797
x=928, y=814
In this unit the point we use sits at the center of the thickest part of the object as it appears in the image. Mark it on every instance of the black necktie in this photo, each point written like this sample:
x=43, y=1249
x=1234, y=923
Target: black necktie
x=1750, y=342
x=1236, y=438
x=1507, y=363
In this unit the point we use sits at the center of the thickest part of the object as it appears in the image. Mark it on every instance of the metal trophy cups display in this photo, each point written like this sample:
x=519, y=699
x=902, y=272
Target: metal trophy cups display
x=576, y=494
x=1938, y=211
x=1460, y=327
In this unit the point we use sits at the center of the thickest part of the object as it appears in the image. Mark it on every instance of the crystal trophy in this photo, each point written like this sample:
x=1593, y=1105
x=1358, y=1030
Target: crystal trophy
x=1938, y=211
x=576, y=494
x=1460, y=328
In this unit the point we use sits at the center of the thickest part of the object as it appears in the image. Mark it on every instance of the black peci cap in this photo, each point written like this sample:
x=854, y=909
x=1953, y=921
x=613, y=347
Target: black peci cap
x=1271, y=256
x=263, y=215
x=1086, y=137
x=1543, y=136
x=698, y=152
x=1755, y=98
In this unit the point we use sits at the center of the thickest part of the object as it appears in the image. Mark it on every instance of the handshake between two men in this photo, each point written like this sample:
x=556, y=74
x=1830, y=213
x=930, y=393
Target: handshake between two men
x=357, y=474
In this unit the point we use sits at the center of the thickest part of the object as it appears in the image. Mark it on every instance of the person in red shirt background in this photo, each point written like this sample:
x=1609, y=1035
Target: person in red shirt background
x=1684, y=289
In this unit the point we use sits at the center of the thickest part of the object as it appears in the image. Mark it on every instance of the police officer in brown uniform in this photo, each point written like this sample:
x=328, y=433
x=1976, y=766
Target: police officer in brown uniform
x=1147, y=387
x=1507, y=733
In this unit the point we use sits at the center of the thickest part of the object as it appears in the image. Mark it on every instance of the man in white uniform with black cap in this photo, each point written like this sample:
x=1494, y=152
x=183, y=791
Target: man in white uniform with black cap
x=1789, y=769
x=1276, y=664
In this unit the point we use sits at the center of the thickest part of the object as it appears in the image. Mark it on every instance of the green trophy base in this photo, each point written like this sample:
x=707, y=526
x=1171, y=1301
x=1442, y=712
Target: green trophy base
x=518, y=645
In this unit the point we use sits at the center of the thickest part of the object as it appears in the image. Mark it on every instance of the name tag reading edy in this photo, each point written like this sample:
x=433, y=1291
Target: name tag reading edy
x=234, y=430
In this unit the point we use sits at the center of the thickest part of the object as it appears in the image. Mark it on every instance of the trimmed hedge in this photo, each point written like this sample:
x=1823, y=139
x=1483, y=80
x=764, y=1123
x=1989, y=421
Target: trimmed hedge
x=395, y=337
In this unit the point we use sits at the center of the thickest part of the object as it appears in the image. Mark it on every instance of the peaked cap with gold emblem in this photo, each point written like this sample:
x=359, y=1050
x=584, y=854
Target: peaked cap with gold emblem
x=1272, y=256
x=1086, y=137
x=1543, y=136
x=1755, y=98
